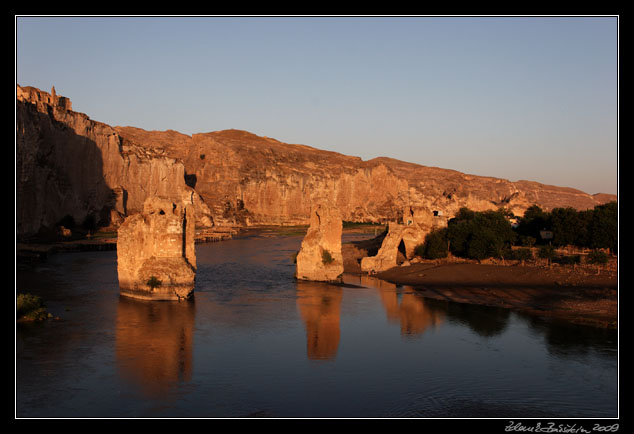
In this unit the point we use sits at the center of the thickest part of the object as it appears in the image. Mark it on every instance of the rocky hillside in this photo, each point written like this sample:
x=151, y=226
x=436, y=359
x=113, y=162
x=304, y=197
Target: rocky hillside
x=258, y=180
x=68, y=164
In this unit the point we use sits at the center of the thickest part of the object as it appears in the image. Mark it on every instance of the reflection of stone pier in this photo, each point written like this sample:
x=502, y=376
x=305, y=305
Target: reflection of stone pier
x=154, y=344
x=320, y=307
x=402, y=305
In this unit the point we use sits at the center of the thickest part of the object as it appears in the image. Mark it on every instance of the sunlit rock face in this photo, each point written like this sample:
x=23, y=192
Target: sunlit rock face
x=320, y=255
x=156, y=257
x=70, y=165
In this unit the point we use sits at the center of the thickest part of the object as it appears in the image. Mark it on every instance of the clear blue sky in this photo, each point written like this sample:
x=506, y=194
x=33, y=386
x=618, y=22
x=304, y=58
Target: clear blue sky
x=511, y=97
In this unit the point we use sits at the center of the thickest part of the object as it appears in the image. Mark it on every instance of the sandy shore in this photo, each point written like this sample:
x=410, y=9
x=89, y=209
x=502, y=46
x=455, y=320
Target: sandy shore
x=575, y=295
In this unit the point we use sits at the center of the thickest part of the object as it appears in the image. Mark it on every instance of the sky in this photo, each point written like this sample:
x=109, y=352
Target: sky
x=512, y=97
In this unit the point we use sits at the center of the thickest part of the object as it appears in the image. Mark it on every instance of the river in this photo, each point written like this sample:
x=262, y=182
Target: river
x=254, y=342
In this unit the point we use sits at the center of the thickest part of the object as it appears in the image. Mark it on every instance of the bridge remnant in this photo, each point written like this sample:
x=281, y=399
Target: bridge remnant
x=320, y=255
x=156, y=258
x=403, y=238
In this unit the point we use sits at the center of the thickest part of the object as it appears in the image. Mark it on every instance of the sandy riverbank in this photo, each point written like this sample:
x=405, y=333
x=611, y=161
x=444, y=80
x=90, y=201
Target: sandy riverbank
x=574, y=295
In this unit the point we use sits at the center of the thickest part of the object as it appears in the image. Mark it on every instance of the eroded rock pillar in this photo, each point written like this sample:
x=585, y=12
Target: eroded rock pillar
x=156, y=256
x=320, y=255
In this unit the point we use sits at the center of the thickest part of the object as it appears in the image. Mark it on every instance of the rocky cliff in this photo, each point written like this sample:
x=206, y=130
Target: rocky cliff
x=68, y=164
x=249, y=179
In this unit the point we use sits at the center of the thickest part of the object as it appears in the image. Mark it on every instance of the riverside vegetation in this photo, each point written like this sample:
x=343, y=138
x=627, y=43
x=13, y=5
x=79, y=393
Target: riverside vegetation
x=489, y=234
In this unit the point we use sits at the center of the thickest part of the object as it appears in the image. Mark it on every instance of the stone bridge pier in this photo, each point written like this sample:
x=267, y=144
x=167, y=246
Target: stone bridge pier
x=156, y=257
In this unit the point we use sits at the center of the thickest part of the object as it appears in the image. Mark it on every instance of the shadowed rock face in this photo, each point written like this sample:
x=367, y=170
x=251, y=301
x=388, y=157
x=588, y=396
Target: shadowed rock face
x=70, y=165
x=320, y=257
x=156, y=257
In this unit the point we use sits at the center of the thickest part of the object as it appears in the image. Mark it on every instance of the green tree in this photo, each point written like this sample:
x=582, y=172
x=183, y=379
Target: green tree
x=603, y=227
x=566, y=225
x=533, y=221
x=479, y=235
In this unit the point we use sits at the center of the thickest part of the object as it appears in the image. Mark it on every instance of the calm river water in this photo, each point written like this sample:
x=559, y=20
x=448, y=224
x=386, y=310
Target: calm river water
x=255, y=342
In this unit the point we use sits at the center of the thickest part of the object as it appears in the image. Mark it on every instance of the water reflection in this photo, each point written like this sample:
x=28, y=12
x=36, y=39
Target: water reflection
x=320, y=308
x=571, y=340
x=486, y=321
x=403, y=305
x=154, y=343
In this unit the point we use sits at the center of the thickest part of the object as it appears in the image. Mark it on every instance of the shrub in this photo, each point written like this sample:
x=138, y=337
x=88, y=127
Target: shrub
x=435, y=245
x=546, y=251
x=30, y=307
x=479, y=235
x=154, y=282
x=568, y=260
x=523, y=254
x=597, y=257
x=326, y=257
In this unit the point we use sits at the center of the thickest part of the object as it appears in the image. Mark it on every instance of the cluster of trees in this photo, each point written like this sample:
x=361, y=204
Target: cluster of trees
x=480, y=235
x=594, y=229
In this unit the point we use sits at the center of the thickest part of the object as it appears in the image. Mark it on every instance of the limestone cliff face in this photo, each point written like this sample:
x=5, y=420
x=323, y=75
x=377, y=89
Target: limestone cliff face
x=70, y=165
x=249, y=179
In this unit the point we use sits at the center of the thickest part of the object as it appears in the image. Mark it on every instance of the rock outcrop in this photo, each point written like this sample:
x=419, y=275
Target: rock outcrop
x=320, y=257
x=156, y=256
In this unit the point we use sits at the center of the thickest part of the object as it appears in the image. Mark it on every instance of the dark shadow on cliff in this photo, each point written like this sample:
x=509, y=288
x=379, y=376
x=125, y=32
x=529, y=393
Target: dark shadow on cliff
x=59, y=179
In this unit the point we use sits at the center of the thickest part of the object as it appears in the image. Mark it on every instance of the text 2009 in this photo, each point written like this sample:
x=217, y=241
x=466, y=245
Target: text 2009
x=606, y=428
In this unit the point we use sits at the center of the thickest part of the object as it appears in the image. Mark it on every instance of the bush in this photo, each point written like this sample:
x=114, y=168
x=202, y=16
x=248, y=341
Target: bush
x=480, y=235
x=435, y=245
x=546, y=251
x=523, y=254
x=30, y=307
x=326, y=257
x=154, y=282
x=597, y=257
x=568, y=260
